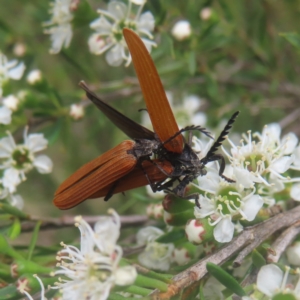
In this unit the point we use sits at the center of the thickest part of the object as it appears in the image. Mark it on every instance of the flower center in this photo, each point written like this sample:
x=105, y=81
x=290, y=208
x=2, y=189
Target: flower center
x=255, y=161
x=228, y=201
x=118, y=32
x=22, y=158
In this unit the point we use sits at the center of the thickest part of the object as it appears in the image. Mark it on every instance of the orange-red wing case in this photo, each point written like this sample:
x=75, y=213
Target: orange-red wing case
x=136, y=178
x=95, y=176
x=158, y=106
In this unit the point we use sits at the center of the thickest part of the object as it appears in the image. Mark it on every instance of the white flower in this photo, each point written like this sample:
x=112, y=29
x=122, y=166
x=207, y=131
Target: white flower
x=270, y=155
x=157, y=256
x=76, y=111
x=108, y=36
x=90, y=273
x=9, y=70
x=60, y=25
x=271, y=281
x=181, y=30
x=19, y=159
x=34, y=77
x=5, y=115
x=223, y=201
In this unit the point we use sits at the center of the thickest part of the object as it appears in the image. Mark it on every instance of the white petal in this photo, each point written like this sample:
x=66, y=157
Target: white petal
x=297, y=156
x=290, y=141
x=207, y=208
x=148, y=234
x=244, y=177
x=102, y=26
x=11, y=179
x=282, y=164
x=5, y=115
x=11, y=102
x=36, y=142
x=293, y=254
x=114, y=56
x=43, y=164
x=138, y=2
x=252, y=206
x=17, y=201
x=223, y=232
x=295, y=192
x=7, y=146
x=17, y=72
x=273, y=130
x=146, y=22
x=125, y=275
x=209, y=182
x=269, y=279
x=61, y=36
x=107, y=231
x=117, y=9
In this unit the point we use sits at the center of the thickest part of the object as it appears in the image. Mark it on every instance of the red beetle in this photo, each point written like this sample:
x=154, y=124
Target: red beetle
x=130, y=165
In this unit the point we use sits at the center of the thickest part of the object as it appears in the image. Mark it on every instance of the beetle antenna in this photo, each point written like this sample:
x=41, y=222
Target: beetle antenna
x=220, y=139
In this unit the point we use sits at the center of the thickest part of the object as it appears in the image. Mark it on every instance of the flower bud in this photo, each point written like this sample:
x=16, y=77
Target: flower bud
x=181, y=30
x=205, y=13
x=76, y=111
x=181, y=256
x=34, y=77
x=198, y=231
x=11, y=102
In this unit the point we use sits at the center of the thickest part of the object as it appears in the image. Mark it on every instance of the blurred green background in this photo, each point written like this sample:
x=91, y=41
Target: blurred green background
x=245, y=57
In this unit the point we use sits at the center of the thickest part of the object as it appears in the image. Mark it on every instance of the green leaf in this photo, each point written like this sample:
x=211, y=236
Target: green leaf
x=12, y=210
x=226, y=279
x=258, y=259
x=293, y=38
x=33, y=239
x=15, y=229
x=172, y=236
x=6, y=249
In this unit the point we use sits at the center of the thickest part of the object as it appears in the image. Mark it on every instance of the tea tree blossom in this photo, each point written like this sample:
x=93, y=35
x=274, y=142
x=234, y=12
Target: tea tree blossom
x=59, y=26
x=91, y=271
x=157, y=256
x=271, y=281
x=9, y=70
x=19, y=159
x=223, y=201
x=264, y=160
x=108, y=36
x=259, y=168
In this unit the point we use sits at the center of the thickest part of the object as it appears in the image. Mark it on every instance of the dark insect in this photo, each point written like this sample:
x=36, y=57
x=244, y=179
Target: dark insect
x=131, y=164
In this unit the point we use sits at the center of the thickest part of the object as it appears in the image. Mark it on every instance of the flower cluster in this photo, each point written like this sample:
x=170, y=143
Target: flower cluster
x=60, y=27
x=108, y=36
x=18, y=159
x=260, y=167
x=8, y=70
x=91, y=271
